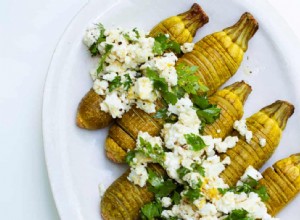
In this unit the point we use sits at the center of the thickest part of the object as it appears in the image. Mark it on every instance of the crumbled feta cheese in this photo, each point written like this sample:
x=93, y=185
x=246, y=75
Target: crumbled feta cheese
x=146, y=106
x=110, y=76
x=229, y=142
x=100, y=86
x=181, y=106
x=115, y=104
x=242, y=128
x=213, y=166
x=147, y=137
x=144, y=89
x=208, y=210
x=252, y=172
x=172, y=164
x=91, y=36
x=262, y=142
x=219, y=131
x=138, y=175
x=192, y=178
x=187, y=47
x=166, y=202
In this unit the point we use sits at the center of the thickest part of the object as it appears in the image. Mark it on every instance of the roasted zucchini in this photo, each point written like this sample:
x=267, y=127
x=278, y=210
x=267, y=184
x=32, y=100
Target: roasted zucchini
x=282, y=182
x=181, y=28
x=268, y=124
x=123, y=134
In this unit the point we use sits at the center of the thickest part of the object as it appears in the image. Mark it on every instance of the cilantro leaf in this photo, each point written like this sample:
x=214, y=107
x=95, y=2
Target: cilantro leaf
x=192, y=194
x=128, y=82
x=206, y=112
x=154, y=179
x=161, y=85
x=116, y=83
x=195, y=141
x=156, y=152
x=107, y=49
x=198, y=168
x=129, y=156
x=163, y=43
x=250, y=185
x=176, y=198
x=137, y=33
x=159, y=186
x=161, y=113
x=152, y=210
x=201, y=102
x=238, y=214
x=182, y=171
x=209, y=115
x=187, y=79
x=94, y=47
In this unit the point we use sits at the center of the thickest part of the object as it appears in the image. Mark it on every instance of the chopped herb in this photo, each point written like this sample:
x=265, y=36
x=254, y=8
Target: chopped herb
x=107, y=49
x=129, y=156
x=206, y=112
x=176, y=198
x=128, y=82
x=195, y=141
x=159, y=186
x=238, y=214
x=137, y=33
x=162, y=43
x=161, y=85
x=155, y=152
x=182, y=171
x=209, y=115
x=201, y=102
x=94, y=48
x=161, y=113
x=154, y=179
x=152, y=210
x=192, y=194
x=116, y=83
x=250, y=185
x=198, y=168
x=187, y=79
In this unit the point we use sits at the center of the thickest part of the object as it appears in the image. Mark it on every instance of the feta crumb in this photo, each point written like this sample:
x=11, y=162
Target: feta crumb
x=144, y=89
x=219, y=131
x=166, y=202
x=208, y=210
x=252, y=172
x=115, y=104
x=91, y=36
x=229, y=142
x=100, y=86
x=187, y=47
x=138, y=175
x=262, y=142
x=242, y=128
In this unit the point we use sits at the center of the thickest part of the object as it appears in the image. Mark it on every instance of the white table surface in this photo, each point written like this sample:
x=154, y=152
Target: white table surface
x=29, y=32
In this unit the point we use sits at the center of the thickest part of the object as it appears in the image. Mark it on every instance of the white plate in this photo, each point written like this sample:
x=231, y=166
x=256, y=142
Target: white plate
x=75, y=157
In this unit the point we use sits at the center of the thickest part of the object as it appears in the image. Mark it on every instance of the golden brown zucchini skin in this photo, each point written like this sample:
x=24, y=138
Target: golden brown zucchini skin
x=113, y=207
x=268, y=123
x=89, y=115
x=181, y=28
x=124, y=133
x=282, y=182
x=218, y=57
x=123, y=199
x=220, y=54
